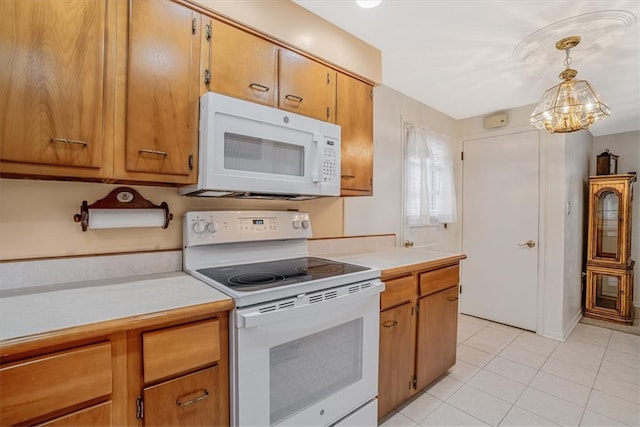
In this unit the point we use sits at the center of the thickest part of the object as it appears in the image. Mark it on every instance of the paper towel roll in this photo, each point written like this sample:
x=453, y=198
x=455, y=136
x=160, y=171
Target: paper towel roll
x=125, y=218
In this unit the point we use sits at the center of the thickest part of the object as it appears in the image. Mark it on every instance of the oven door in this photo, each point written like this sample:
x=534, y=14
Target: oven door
x=308, y=360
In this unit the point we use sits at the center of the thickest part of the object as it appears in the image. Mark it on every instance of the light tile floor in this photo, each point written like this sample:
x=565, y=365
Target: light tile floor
x=509, y=377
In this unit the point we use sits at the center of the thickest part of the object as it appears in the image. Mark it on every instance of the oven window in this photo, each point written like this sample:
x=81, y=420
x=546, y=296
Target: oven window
x=246, y=153
x=309, y=369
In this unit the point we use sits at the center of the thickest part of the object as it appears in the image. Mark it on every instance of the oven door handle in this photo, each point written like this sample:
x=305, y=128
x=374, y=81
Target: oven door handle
x=252, y=317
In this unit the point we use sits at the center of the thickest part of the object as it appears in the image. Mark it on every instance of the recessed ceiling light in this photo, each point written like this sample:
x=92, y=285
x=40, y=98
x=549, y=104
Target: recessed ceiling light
x=368, y=4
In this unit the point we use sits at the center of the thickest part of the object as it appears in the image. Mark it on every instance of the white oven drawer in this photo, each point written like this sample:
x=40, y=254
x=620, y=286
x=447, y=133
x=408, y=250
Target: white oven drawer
x=365, y=416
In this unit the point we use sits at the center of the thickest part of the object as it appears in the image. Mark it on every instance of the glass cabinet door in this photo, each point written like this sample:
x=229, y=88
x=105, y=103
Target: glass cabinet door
x=607, y=291
x=608, y=225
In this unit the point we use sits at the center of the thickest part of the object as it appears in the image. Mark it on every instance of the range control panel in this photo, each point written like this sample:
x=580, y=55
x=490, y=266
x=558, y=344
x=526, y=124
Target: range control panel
x=214, y=227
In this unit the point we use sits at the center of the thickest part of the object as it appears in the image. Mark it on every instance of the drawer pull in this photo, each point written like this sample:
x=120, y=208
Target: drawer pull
x=347, y=176
x=69, y=141
x=295, y=98
x=390, y=323
x=192, y=401
x=452, y=299
x=156, y=152
x=259, y=87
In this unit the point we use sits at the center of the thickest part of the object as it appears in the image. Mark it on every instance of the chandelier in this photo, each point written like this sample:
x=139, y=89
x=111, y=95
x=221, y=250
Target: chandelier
x=571, y=105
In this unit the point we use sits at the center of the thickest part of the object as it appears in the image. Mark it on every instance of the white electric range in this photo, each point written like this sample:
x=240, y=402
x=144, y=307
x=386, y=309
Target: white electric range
x=304, y=333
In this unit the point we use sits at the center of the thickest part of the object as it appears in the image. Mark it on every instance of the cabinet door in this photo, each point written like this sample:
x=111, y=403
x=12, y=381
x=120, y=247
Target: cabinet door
x=437, y=335
x=162, y=93
x=610, y=214
x=609, y=294
x=306, y=87
x=354, y=113
x=395, y=377
x=190, y=400
x=52, y=83
x=242, y=65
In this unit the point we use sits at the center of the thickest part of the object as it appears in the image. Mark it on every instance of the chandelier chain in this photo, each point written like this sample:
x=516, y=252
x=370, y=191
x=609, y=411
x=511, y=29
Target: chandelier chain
x=567, y=59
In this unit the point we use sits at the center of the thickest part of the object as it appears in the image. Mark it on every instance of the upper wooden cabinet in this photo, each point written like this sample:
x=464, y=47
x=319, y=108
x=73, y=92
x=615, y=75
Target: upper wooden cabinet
x=306, y=87
x=354, y=113
x=242, y=65
x=55, y=81
x=162, y=93
x=108, y=90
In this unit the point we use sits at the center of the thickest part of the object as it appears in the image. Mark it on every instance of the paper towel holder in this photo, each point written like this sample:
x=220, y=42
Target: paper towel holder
x=120, y=198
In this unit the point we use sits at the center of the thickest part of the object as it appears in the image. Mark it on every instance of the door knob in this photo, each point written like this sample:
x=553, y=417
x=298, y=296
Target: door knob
x=408, y=244
x=529, y=243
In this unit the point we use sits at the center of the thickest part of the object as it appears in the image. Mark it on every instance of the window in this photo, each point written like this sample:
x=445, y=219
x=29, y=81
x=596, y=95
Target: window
x=429, y=185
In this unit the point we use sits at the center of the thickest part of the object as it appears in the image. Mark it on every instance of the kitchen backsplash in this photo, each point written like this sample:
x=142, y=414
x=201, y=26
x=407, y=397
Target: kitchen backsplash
x=38, y=273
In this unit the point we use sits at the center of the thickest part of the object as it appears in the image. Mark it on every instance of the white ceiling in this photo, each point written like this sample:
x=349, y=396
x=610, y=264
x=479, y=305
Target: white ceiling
x=458, y=56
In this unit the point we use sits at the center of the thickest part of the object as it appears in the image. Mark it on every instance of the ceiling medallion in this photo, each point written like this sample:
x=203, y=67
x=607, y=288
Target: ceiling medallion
x=600, y=29
x=571, y=105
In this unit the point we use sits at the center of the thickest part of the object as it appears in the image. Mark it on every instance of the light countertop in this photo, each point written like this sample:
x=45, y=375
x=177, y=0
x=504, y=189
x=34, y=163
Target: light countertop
x=398, y=258
x=57, y=307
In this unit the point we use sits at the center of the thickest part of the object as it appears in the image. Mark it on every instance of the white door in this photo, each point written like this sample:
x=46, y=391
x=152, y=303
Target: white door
x=500, y=229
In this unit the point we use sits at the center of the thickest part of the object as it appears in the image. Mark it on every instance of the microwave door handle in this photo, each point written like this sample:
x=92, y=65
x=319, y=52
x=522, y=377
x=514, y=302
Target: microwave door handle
x=315, y=176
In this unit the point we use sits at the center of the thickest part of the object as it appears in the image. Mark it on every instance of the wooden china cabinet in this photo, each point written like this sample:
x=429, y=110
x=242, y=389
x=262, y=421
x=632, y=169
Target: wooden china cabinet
x=609, y=264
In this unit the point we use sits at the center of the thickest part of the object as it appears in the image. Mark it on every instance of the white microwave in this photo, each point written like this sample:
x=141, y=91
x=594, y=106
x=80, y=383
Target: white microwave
x=251, y=150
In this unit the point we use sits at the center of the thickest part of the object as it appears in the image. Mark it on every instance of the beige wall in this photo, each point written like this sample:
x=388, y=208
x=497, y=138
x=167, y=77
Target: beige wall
x=382, y=213
x=36, y=219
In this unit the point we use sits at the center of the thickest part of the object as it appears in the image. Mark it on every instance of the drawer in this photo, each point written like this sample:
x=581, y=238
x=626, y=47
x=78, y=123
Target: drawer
x=397, y=291
x=39, y=386
x=437, y=280
x=189, y=400
x=172, y=351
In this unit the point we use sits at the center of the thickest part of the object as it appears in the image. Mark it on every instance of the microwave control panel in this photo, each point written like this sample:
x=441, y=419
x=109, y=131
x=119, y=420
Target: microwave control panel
x=330, y=166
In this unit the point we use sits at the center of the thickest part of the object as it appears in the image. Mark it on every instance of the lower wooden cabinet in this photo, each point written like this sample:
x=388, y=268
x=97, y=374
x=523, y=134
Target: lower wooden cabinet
x=159, y=370
x=437, y=335
x=610, y=293
x=190, y=361
x=396, y=358
x=418, y=330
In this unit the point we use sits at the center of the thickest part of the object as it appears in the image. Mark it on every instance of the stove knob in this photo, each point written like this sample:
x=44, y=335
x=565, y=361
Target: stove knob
x=297, y=224
x=305, y=223
x=199, y=227
x=212, y=227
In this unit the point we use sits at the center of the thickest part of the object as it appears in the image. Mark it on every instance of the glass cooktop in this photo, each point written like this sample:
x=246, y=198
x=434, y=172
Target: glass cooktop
x=270, y=274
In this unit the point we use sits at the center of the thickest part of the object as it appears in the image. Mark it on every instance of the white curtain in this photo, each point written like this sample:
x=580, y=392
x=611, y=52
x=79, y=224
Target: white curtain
x=429, y=184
